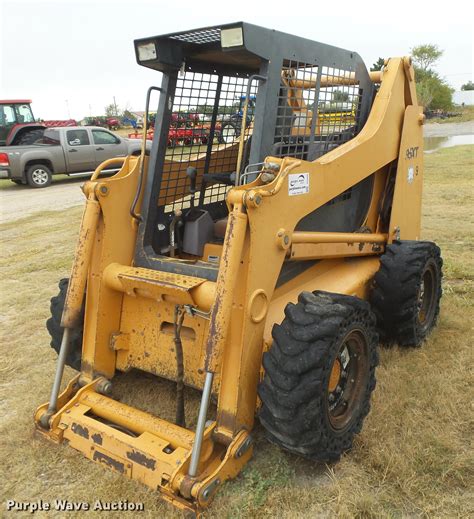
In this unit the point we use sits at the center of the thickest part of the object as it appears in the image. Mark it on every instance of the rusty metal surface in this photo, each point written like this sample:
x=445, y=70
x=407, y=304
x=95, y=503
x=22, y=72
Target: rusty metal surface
x=77, y=281
x=142, y=457
x=153, y=284
x=226, y=281
x=153, y=451
x=149, y=345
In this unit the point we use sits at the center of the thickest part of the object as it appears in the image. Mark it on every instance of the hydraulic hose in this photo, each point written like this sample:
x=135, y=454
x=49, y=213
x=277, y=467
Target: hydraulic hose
x=178, y=346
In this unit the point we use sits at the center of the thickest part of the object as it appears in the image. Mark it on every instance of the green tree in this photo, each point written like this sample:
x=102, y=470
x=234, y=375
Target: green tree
x=112, y=110
x=426, y=55
x=434, y=93
x=378, y=65
x=468, y=86
x=205, y=109
x=338, y=96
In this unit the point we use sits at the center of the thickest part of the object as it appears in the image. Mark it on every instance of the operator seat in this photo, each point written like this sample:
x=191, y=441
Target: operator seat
x=219, y=228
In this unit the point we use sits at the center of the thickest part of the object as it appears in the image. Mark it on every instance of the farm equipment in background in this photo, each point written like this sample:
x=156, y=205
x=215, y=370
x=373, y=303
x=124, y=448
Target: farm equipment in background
x=259, y=271
x=18, y=125
x=111, y=123
x=186, y=129
x=231, y=126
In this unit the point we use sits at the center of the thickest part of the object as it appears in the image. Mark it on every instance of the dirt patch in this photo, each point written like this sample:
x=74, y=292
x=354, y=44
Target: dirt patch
x=16, y=202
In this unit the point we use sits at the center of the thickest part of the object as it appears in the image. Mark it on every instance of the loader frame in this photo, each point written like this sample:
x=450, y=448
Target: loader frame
x=133, y=290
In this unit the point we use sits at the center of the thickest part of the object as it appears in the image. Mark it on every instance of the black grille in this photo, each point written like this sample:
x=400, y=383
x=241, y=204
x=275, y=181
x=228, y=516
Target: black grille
x=200, y=37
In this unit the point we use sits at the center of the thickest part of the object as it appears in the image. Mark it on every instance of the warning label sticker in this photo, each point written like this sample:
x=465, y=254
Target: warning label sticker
x=298, y=184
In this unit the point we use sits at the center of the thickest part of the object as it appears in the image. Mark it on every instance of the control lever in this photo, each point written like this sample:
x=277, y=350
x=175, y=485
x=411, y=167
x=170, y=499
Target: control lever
x=192, y=174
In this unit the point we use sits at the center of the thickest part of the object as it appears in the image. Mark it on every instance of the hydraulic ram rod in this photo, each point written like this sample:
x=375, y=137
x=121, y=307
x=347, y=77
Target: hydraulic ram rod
x=80, y=267
x=328, y=81
x=53, y=399
x=201, y=425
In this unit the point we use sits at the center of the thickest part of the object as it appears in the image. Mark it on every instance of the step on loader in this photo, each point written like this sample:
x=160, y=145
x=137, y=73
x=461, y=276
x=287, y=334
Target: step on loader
x=261, y=270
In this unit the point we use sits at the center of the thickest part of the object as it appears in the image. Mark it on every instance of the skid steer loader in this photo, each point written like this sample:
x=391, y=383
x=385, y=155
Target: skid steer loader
x=260, y=272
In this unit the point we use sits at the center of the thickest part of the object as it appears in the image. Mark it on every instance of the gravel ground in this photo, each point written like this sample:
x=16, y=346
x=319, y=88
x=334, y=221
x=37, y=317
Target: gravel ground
x=20, y=201
x=448, y=129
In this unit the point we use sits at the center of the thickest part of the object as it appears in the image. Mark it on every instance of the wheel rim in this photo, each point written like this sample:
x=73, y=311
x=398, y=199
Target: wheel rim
x=347, y=380
x=228, y=134
x=426, y=301
x=39, y=176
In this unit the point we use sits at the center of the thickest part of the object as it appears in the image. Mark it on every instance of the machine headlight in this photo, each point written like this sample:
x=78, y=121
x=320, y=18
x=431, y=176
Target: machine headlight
x=233, y=37
x=147, y=51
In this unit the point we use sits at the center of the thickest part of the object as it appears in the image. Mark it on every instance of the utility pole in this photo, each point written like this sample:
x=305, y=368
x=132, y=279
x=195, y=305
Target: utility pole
x=115, y=105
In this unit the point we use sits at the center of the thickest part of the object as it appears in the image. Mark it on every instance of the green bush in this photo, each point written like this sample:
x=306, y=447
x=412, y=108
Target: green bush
x=433, y=92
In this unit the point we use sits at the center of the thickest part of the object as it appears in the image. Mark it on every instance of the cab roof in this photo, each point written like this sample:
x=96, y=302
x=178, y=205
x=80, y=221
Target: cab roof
x=238, y=47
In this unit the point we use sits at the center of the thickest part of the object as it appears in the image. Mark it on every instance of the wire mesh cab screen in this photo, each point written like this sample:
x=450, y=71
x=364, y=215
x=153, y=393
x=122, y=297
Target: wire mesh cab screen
x=204, y=132
x=318, y=109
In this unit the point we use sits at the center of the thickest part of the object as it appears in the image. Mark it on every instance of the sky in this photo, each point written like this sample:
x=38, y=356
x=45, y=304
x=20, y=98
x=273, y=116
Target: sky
x=72, y=57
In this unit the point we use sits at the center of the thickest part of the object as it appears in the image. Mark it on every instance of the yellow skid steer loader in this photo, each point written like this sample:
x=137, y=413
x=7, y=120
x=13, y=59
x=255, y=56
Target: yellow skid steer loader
x=261, y=270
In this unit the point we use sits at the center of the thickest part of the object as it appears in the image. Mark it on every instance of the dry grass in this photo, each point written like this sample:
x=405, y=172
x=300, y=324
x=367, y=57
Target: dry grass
x=412, y=459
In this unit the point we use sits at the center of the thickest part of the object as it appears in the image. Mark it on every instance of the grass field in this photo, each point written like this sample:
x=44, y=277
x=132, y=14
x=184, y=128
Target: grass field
x=413, y=458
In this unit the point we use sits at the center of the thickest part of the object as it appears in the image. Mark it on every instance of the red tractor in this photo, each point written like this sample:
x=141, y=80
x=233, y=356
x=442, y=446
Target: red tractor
x=18, y=125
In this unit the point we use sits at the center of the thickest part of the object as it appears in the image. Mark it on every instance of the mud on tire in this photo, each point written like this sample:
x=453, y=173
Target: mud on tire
x=303, y=407
x=53, y=324
x=407, y=292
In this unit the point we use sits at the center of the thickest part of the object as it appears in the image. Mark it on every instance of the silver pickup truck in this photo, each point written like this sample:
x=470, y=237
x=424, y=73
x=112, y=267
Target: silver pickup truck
x=75, y=150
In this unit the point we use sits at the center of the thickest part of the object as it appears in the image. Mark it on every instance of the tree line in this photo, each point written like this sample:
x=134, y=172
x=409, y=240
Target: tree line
x=433, y=91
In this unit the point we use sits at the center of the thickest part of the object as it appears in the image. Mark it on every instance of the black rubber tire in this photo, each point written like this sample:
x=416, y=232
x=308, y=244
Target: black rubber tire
x=32, y=178
x=225, y=125
x=397, y=288
x=53, y=324
x=298, y=367
x=30, y=137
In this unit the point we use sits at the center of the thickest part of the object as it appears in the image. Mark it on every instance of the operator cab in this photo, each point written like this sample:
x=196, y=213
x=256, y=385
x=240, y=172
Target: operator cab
x=12, y=113
x=293, y=97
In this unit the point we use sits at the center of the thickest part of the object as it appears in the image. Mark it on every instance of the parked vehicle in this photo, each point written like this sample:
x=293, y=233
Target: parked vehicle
x=186, y=129
x=75, y=150
x=18, y=125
